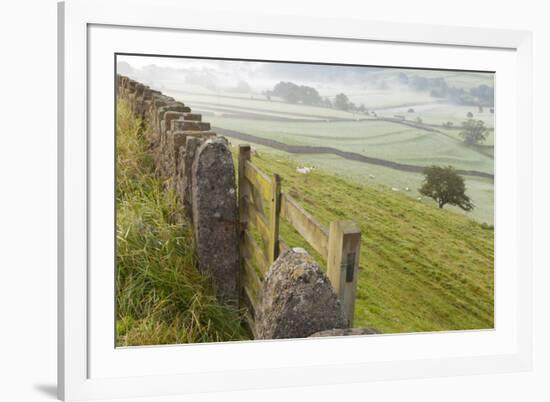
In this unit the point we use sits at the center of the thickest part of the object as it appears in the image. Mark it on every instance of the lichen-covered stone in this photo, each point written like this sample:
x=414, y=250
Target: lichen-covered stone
x=346, y=332
x=296, y=299
x=215, y=217
x=185, y=170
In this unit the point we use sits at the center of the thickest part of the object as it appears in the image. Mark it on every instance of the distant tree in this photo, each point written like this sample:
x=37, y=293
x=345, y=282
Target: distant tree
x=341, y=102
x=445, y=186
x=292, y=93
x=480, y=109
x=470, y=115
x=411, y=110
x=473, y=131
x=362, y=108
x=419, y=119
x=326, y=102
x=484, y=94
x=309, y=95
x=492, y=110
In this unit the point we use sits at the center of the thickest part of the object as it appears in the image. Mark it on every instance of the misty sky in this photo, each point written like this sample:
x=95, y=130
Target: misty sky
x=219, y=75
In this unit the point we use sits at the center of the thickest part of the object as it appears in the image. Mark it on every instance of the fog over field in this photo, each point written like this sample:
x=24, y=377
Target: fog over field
x=375, y=126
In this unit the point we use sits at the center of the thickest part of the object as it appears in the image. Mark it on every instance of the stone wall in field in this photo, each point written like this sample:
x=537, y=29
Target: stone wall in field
x=197, y=165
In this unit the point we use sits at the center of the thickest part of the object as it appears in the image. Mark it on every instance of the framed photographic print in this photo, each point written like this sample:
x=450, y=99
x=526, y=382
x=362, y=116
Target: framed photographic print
x=256, y=201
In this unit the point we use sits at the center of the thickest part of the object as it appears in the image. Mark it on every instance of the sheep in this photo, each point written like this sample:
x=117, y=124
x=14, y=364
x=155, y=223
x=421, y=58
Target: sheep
x=407, y=189
x=303, y=170
x=394, y=189
x=371, y=176
x=253, y=151
x=419, y=198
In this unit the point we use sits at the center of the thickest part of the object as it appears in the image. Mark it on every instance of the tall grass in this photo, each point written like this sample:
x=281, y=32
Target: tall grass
x=161, y=298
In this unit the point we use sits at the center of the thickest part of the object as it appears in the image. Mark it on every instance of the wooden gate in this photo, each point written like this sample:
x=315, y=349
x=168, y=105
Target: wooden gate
x=261, y=206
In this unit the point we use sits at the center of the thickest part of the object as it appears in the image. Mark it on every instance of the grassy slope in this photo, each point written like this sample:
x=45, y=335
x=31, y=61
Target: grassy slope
x=422, y=269
x=161, y=298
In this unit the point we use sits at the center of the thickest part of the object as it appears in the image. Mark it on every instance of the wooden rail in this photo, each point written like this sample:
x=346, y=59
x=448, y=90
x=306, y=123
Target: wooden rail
x=339, y=245
x=311, y=230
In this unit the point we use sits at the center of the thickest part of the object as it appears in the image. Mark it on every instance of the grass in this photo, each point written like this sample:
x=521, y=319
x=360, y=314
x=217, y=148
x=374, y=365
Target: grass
x=422, y=268
x=259, y=102
x=160, y=296
x=441, y=113
x=480, y=190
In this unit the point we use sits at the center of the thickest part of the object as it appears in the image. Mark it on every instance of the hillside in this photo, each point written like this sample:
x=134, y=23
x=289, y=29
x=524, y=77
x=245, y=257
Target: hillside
x=422, y=269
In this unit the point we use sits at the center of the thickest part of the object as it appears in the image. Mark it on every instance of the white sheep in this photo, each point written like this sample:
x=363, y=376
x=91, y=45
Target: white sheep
x=394, y=189
x=371, y=176
x=303, y=170
x=407, y=189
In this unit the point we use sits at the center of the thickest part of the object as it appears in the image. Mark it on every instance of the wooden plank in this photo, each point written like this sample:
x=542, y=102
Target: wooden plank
x=244, y=155
x=251, y=282
x=343, y=263
x=257, y=201
x=255, y=218
x=310, y=229
x=258, y=179
x=250, y=314
x=275, y=211
x=250, y=249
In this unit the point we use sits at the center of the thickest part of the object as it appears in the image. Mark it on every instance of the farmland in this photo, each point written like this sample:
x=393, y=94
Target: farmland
x=418, y=137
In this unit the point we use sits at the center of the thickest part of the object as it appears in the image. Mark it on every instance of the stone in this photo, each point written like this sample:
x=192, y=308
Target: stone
x=346, y=332
x=189, y=125
x=185, y=170
x=215, y=218
x=296, y=299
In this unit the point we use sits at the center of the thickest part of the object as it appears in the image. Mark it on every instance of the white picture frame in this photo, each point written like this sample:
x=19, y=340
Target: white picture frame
x=91, y=31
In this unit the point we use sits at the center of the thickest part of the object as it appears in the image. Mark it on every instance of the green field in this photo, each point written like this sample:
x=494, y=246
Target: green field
x=366, y=134
x=258, y=102
x=386, y=179
x=380, y=139
x=422, y=268
x=440, y=113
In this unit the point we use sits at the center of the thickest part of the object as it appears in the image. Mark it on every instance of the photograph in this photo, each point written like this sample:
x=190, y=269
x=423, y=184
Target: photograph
x=270, y=199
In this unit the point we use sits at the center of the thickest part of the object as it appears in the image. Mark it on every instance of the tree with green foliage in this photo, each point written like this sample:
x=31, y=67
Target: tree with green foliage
x=470, y=115
x=473, y=131
x=292, y=93
x=341, y=102
x=445, y=186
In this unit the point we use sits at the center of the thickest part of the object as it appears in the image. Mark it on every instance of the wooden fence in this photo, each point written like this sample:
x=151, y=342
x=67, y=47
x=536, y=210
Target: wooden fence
x=260, y=244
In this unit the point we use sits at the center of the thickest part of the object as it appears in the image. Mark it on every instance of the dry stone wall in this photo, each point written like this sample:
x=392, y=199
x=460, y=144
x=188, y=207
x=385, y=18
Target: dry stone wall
x=197, y=165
